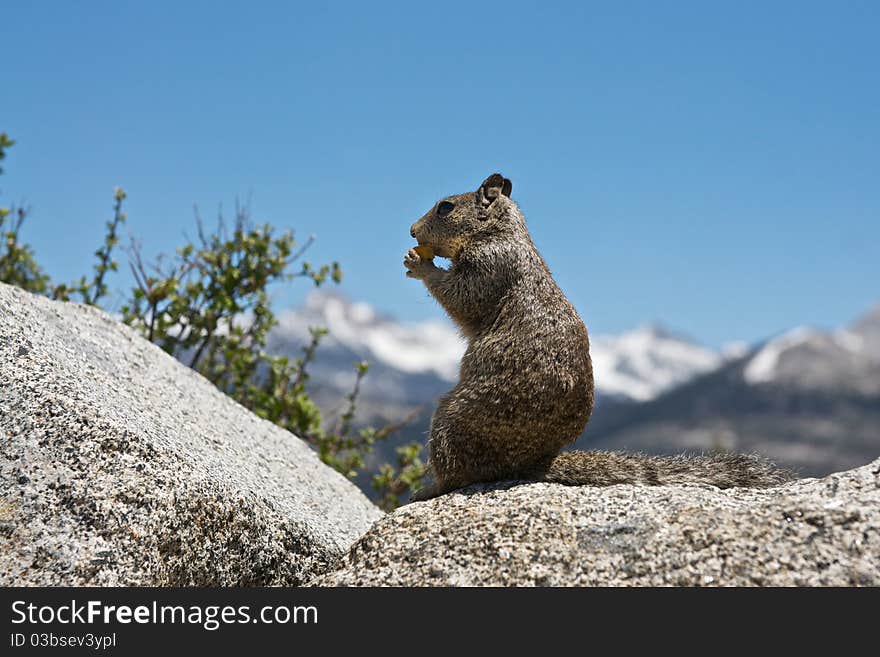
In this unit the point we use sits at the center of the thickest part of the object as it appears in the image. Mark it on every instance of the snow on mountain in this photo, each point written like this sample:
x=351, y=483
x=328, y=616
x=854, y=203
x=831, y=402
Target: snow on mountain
x=763, y=366
x=814, y=358
x=866, y=330
x=642, y=363
x=425, y=347
x=638, y=364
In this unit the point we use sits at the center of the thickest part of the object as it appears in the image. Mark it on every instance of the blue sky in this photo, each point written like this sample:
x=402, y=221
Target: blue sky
x=710, y=165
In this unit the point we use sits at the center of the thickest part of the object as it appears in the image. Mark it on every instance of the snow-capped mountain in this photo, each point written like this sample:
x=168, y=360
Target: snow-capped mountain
x=867, y=330
x=642, y=363
x=815, y=359
x=808, y=399
x=413, y=363
x=426, y=347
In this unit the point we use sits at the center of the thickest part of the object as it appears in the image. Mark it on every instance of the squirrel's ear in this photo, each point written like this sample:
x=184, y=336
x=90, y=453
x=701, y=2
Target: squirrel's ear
x=492, y=187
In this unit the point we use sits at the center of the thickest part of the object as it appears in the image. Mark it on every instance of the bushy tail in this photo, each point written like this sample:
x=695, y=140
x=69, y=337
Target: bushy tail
x=608, y=468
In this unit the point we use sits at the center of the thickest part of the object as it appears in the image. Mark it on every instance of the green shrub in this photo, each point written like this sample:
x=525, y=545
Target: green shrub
x=17, y=264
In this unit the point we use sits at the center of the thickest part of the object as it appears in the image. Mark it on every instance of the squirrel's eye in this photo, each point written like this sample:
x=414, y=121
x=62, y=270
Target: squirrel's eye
x=444, y=208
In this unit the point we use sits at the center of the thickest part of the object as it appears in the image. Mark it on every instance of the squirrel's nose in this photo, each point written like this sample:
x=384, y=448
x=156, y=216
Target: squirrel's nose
x=412, y=230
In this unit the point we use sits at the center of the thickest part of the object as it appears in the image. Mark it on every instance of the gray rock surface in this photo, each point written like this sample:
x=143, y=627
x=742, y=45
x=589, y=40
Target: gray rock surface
x=120, y=466
x=810, y=532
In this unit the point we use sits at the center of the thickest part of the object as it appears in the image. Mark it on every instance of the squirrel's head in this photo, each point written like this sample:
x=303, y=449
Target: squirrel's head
x=456, y=221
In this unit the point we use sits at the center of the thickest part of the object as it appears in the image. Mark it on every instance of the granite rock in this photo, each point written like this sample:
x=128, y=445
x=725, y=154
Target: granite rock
x=121, y=466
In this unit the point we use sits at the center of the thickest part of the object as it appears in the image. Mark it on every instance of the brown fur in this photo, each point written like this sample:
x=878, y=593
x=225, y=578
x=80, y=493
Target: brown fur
x=525, y=389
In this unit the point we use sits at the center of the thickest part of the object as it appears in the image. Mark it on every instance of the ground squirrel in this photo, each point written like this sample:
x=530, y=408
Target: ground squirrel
x=526, y=379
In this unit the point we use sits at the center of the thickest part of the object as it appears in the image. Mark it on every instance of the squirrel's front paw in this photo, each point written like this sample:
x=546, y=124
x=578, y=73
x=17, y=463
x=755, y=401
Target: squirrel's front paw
x=416, y=265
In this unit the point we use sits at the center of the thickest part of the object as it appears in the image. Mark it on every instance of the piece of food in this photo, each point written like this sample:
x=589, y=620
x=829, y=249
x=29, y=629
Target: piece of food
x=425, y=252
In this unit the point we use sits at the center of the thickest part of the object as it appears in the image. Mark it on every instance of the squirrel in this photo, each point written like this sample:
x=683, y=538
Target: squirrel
x=525, y=388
